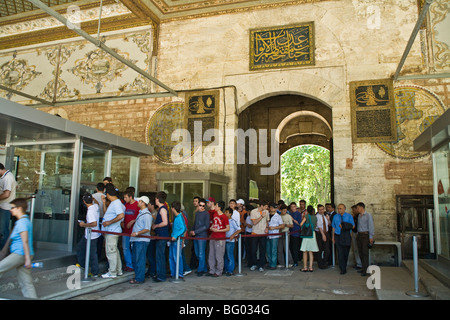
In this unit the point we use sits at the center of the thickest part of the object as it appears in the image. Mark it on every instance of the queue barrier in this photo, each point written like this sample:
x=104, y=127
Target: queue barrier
x=286, y=234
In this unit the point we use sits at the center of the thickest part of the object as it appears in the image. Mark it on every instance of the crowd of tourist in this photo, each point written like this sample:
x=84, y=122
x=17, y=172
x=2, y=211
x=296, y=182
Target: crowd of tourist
x=154, y=235
x=151, y=229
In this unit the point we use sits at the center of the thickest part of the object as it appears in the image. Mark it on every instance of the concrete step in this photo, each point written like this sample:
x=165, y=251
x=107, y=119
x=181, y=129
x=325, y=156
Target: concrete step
x=395, y=283
x=54, y=268
x=435, y=288
x=52, y=282
x=440, y=269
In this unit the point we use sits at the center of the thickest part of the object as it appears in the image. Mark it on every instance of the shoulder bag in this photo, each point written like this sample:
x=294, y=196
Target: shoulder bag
x=307, y=229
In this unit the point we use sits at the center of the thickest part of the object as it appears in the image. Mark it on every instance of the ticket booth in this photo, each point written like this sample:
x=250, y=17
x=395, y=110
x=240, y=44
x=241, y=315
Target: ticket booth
x=436, y=139
x=56, y=160
x=184, y=186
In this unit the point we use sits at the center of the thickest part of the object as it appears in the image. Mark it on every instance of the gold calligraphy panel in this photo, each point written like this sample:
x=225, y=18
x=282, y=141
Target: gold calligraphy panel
x=278, y=47
x=373, y=111
x=201, y=107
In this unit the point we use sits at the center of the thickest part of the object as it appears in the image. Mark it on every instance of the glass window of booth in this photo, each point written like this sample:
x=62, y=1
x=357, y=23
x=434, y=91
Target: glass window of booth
x=442, y=171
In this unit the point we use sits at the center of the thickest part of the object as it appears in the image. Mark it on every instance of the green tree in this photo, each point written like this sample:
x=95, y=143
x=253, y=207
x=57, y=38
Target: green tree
x=305, y=174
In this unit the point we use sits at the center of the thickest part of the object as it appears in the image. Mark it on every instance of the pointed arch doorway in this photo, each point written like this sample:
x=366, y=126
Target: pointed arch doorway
x=300, y=121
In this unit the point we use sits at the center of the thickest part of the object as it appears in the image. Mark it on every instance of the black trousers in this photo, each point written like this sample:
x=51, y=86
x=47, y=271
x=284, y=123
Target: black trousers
x=362, y=240
x=343, y=252
x=294, y=246
x=248, y=249
x=259, y=244
x=324, y=250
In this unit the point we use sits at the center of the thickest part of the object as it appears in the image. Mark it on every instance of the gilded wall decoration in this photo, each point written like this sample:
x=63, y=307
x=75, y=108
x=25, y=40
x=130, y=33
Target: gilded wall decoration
x=160, y=127
x=203, y=107
x=416, y=108
x=98, y=67
x=17, y=74
x=285, y=46
x=57, y=87
x=373, y=111
x=76, y=70
x=440, y=39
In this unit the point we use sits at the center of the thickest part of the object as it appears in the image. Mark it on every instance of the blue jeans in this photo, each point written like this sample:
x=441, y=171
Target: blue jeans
x=151, y=257
x=161, y=259
x=173, y=260
x=93, y=258
x=127, y=251
x=138, y=254
x=5, y=218
x=200, y=252
x=272, y=249
x=229, y=257
x=183, y=255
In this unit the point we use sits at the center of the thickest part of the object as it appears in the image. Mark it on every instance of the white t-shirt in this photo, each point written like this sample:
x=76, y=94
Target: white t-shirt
x=7, y=182
x=91, y=216
x=236, y=217
x=275, y=221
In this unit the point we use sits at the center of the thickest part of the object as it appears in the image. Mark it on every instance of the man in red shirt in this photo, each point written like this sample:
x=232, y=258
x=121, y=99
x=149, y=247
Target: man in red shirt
x=218, y=229
x=131, y=213
x=210, y=207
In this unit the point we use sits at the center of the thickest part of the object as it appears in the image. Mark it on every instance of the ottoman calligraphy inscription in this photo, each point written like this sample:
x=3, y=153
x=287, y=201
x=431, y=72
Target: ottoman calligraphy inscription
x=277, y=47
x=373, y=111
x=201, y=106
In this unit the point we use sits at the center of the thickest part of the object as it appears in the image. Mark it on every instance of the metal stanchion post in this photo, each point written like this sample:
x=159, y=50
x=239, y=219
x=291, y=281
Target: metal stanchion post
x=33, y=205
x=416, y=293
x=240, y=274
x=88, y=253
x=286, y=249
x=177, y=264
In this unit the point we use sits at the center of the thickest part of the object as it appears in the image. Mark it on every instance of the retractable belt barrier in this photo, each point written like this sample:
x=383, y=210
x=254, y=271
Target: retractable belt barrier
x=286, y=233
x=195, y=238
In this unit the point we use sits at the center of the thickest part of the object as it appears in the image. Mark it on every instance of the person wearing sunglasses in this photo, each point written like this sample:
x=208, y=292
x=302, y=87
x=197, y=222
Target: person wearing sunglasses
x=200, y=230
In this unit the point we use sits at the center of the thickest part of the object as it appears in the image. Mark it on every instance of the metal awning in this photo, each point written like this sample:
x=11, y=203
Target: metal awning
x=22, y=125
x=436, y=134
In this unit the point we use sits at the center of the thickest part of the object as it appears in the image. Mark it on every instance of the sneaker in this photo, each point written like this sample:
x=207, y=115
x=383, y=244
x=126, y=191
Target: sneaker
x=261, y=269
x=186, y=273
x=108, y=275
x=253, y=268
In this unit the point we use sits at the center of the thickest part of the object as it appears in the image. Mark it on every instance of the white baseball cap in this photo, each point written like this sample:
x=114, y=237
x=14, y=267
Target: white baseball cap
x=144, y=199
x=240, y=201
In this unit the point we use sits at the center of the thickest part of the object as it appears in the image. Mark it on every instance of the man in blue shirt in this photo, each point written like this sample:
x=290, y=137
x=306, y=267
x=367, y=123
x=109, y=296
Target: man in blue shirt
x=295, y=239
x=111, y=222
x=342, y=225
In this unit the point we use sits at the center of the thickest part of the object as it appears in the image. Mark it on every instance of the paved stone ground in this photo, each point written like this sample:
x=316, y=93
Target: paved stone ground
x=277, y=284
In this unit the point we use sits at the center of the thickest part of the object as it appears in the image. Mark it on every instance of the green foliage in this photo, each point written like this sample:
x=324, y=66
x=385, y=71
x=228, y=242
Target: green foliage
x=305, y=174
